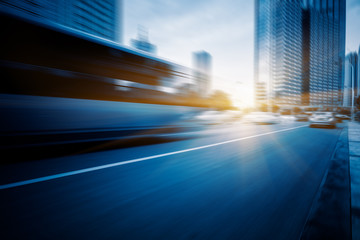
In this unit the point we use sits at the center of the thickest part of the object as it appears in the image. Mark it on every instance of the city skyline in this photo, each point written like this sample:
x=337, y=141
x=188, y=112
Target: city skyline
x=226, y=32
x=178, y=30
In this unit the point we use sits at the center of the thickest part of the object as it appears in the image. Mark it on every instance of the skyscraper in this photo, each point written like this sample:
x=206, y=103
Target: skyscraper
x=351, y=63
x=357, y=80
x=142, y=42
x=299, y=51
x=202, y=72
x=324, y=45
x=262, y=61
x=286, y=53
x=101, y=18
x=278, y=51
x=351, y=80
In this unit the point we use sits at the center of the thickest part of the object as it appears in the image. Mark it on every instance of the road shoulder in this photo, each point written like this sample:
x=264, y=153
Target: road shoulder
x=354, y=151
x=329, y=217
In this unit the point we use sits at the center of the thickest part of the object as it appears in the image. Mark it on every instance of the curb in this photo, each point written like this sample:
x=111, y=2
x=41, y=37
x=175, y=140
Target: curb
x=354, y=152
x=329, y=216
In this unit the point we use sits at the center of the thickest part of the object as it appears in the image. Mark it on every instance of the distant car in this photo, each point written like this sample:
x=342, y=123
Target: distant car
x=342, y=116
x=322, y=119
x=301, y=117
x=233, y=115
x=310, y=110
x=262, y=118
x=217, y=117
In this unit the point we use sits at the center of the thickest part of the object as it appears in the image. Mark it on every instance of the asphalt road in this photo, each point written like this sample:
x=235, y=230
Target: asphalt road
x=238, y=181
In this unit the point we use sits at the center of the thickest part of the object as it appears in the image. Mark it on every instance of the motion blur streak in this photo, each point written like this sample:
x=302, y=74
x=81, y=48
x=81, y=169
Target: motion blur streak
x=47, y=178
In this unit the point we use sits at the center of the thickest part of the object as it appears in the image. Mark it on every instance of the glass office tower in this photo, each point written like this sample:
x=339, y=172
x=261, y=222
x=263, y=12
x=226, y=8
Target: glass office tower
x=262, y=63
x=97, y=17
x=286, y=53
x=357, y=81
x=202, y=64
x=278, y=52
x=325, y=49
x=299, y=51
x=350, y=79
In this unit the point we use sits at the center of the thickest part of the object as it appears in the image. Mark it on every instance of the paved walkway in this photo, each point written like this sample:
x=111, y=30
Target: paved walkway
x=354, y=151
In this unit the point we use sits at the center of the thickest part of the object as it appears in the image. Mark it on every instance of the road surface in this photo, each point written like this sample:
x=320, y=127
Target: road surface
x=234, y=181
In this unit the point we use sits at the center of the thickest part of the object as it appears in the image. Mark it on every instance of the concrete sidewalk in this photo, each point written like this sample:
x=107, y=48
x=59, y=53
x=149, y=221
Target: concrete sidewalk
x=354, y=152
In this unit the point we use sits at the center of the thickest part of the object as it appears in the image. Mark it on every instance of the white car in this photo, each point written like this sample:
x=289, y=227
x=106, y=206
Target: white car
x=342, y=116
x=322, y=119
x=262, y=118
x=217, y=117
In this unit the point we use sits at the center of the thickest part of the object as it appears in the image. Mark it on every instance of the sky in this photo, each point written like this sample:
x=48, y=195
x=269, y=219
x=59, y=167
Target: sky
x=224, y=28
x=352, y=25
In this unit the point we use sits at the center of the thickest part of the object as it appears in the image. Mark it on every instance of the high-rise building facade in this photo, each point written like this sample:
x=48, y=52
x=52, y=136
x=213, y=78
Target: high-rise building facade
x=262, y=60
x=299, y=51
x=357, y=80
x=261, y=93
x=324, y=24
x=278, y=52
x=101, y=18
x=351, y=79
x=286, y=53
x=142, y=42
x=202, y=72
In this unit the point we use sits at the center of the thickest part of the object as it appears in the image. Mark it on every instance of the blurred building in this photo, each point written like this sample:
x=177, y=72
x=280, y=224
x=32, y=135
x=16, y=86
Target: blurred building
x=357, y=81
x=324, y=50
x=299, y=51
x=278, y=51
x=286, y=55
x=278, y=55
x=202, y=73
x=101, y=18
x=142, y=42
x=261, y=93
x=262, y=63
x=351, y=80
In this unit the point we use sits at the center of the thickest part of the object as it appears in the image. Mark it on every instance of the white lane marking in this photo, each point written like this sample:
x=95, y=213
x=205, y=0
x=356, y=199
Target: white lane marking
x=91, y=169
